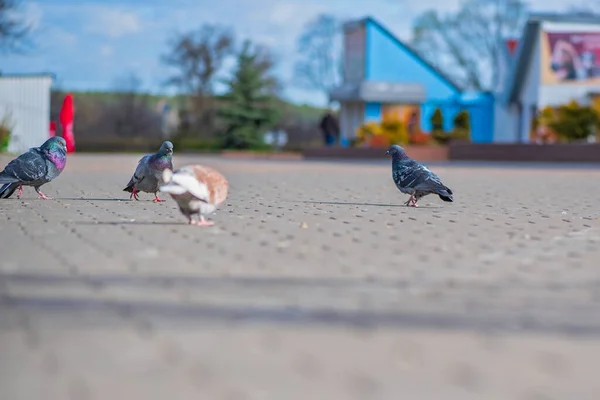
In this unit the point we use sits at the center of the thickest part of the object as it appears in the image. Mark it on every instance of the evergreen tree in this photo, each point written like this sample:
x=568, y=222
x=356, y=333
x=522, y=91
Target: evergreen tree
x=248, y=106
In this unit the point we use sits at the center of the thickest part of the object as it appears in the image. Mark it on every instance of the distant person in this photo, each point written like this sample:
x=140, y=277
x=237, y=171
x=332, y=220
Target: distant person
x=412, y=123
x=330, y=129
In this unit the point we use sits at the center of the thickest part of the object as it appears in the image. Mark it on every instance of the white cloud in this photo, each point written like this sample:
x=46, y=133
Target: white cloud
x=33, y=15
x=114, y=23
x=60, y=37
x=106, y=50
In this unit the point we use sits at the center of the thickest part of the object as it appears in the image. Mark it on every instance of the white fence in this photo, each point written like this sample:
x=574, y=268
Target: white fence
x=26, y=101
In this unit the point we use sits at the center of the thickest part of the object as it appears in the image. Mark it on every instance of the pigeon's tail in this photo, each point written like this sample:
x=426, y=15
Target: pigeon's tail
x=8, y=189
x=129, y=187
x=446, y=195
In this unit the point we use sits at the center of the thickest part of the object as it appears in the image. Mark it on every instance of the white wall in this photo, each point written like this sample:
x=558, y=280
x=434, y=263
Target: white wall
x=556, y=95
x=27, y=100
x=351, y=117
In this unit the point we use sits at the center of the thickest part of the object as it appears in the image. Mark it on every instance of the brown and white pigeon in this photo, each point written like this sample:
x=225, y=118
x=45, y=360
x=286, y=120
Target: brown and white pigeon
x=197, y=190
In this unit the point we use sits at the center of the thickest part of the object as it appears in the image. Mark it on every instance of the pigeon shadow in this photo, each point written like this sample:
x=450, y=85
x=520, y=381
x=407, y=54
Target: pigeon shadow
x=90, y=199
x=341, y=203
x=115, y=223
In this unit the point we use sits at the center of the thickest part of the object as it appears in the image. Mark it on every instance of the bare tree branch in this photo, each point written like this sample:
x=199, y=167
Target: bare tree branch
x=198, y=57
x=14, y=30
x=468, y=43
x=319, y=46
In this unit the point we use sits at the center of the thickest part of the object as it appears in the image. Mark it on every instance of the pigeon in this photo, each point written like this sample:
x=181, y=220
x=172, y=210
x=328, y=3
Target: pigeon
x=197, y=190
x=36, y=167
x=412, y=177
x=148, y=173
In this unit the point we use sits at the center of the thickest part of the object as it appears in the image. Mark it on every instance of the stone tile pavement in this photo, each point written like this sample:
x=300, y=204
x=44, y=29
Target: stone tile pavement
x=315, y=283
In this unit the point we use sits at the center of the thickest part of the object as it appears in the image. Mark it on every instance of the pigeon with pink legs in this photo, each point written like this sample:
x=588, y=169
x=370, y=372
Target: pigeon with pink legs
x=148, y=174
x=412, y=177
x=36, y=167
x=198, y=190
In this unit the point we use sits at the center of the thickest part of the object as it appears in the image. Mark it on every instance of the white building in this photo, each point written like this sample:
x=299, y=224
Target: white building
x=25, y=103
x=557, y=60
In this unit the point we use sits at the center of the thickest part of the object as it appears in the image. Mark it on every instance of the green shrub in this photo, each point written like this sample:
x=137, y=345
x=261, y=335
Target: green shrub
x=437, y=120
x=462, y=121
x=6, y=127
x=441, y=137
x=460, y=135
x=574, y=122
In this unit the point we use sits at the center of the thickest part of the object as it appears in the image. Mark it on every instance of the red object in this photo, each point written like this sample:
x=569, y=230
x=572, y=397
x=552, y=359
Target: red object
x=512, y=45
x=67, y=115
x=52, y=128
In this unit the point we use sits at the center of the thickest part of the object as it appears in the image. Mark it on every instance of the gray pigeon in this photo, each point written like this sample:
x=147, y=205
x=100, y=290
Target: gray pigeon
x=414, y=178
x=36, y=167
x=148, y=174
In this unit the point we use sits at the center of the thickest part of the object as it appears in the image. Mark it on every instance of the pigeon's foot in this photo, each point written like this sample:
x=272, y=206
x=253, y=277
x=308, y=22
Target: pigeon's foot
x=411, y=201
x=20, y=191
x=43, y=196
x=134, y=194
x=157, y=200
x=201, y=222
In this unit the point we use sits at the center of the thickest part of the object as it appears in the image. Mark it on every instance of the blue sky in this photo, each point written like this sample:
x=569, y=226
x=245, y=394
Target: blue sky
x=89, y=44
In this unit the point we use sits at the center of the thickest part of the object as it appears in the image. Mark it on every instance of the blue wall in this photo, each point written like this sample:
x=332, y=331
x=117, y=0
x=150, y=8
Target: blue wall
x=481, y=112
x=372, y=111
x=387, y=60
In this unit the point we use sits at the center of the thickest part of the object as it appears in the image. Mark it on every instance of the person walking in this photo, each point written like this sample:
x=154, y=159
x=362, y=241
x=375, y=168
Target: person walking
x=330, y=129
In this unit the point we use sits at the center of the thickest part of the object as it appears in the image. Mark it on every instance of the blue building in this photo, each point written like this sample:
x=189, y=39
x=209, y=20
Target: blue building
x=383, y=75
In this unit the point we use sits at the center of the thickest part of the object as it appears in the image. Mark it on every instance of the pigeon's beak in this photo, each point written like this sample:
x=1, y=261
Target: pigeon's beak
x=387, y=153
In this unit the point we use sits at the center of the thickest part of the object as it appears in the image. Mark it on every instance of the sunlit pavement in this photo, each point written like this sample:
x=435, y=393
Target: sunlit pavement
x=314, y=283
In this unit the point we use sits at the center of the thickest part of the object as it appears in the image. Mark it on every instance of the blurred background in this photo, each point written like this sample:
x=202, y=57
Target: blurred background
x=286, y=74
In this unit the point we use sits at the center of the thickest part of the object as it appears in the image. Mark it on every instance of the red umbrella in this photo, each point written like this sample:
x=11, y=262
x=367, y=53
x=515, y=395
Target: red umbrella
x=67, y=115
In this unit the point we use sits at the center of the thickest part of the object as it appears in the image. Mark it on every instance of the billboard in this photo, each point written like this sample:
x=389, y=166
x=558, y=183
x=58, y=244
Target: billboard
x=354, y=52
x=571, y=57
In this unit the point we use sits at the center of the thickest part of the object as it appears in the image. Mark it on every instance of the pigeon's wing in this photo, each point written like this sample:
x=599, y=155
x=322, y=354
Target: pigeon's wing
x=409, y=174
x=186, y=180
x=28, y=167
x=429, y=180
x=412, y=174
x=140, y=171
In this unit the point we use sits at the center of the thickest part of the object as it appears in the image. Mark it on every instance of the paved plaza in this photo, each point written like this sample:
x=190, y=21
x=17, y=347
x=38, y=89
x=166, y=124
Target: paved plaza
x=315, y=283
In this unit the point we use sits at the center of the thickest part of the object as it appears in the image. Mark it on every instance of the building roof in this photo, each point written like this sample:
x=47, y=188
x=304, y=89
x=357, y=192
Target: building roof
x=28, y=75
x=408, y=48
x=525, y=48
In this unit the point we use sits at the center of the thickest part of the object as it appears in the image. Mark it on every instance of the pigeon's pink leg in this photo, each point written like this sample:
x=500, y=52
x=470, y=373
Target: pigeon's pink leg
x=202, y=222
x=157, y=200
x=410, y=200
x=43, y=196
x=20, y=191
x=134, y=194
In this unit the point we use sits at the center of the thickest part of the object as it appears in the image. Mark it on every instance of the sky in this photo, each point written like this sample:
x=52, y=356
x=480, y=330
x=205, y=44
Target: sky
x=91, y=44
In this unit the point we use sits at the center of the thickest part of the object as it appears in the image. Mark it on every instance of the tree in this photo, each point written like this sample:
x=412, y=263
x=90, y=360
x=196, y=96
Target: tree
x=198, y=58
x=469, y=42
x=248, y=106
x=13, y=27
x=319, y=47
x=131, y=114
